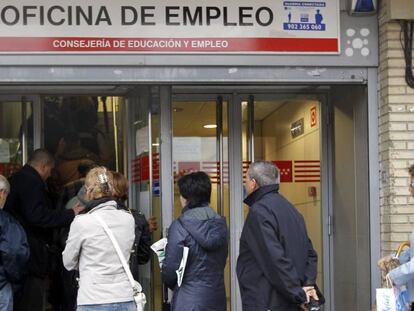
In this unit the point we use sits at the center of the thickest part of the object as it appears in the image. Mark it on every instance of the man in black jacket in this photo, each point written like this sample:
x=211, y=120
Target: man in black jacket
x=14, y=251
x=277, y=265
x=28, y=202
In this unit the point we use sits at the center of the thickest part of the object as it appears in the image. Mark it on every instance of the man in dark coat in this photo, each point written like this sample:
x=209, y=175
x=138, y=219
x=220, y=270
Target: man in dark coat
x=277, y=265
x=14, y=251
x=28, y=202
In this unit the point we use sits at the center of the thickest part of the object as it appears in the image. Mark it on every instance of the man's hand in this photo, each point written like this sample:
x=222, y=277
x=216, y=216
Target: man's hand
x=153, y=224
x=78, y=208
x=310, y=291
x=304, y=307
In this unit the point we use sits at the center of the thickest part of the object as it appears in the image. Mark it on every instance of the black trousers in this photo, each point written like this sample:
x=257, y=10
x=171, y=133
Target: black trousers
x=33, y=295
x=412, y=307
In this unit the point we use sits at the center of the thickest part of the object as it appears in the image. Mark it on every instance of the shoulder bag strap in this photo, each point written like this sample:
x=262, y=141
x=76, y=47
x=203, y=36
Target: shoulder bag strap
x=118, y=250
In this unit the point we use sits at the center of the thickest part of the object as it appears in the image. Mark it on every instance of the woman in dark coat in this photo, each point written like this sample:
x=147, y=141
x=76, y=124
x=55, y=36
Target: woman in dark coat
x=204, y=232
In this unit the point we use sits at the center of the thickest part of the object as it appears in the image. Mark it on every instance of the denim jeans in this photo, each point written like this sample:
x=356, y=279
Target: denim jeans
x=6, y=298
x=120, y=306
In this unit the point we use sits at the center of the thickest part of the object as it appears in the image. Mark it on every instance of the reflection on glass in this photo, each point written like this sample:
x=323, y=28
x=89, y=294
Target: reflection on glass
x=16, y=135
x=298, y=158
x=83, y=128
x=196, y=147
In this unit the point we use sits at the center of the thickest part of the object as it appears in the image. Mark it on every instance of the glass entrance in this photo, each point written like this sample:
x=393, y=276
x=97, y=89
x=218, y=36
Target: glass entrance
x=286, y=130
x=155, y=134
x=204, y=136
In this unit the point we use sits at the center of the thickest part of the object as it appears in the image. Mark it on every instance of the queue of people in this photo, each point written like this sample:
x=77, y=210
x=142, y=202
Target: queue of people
x=276, y=268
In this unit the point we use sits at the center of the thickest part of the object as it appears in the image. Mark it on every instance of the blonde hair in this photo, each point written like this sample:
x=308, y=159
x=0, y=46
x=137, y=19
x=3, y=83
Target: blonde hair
x=99, y=182
x=120, y=186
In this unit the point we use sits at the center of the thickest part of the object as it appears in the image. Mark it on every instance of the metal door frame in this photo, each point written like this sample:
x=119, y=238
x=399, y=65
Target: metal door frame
x=235, y=176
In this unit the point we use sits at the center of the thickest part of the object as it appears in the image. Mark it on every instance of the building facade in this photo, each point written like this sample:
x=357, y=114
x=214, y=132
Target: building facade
x=315, y=86
x=396, y=100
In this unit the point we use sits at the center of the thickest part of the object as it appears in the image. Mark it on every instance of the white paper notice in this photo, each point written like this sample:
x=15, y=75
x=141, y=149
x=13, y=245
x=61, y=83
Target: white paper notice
x=4, y=151
x=187, y=149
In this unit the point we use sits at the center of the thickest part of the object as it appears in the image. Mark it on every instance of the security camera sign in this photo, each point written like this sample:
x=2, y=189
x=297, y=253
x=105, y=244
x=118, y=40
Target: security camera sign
x=176, y=26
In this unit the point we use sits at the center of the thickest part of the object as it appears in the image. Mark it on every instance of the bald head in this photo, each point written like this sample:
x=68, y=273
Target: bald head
x=41, y=156
x=43, y=162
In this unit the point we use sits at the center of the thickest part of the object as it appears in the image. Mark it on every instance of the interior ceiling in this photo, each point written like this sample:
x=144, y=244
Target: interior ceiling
x=190, y=116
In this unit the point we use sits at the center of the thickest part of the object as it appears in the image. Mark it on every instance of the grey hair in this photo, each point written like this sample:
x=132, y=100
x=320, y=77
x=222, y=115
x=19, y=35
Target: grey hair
x=41, y=156
x=264, y=172
x=4, y=184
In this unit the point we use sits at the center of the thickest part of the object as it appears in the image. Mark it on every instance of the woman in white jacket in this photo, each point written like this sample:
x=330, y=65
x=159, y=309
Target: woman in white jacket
x=103, y=283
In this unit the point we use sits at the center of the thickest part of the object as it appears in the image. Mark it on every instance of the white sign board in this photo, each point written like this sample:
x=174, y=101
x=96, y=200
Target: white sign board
x=175, y=26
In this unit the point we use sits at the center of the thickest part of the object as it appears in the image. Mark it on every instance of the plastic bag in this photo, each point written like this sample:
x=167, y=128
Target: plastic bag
x=159, y=249
x=386, y=299
x=401, y=298
x=392, y=299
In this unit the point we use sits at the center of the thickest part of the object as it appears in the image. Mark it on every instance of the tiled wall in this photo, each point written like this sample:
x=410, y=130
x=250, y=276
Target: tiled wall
x=276, y=143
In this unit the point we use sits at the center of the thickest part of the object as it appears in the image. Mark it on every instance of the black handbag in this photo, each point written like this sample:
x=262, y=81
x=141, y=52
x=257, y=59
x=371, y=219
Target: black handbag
x=141, y=250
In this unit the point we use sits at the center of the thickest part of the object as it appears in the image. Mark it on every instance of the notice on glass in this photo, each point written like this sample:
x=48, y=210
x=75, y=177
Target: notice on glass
x=187, y=149
x=4, y=151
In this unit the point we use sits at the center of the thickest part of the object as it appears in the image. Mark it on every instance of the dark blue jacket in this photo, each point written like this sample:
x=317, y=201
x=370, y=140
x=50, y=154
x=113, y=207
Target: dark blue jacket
x=14, y=251
x=276, y=255
x=205, y=234
x=29, y=203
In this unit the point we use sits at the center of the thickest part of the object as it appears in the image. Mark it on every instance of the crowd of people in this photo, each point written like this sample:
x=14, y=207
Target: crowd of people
x=276, y=267
x=35, y=228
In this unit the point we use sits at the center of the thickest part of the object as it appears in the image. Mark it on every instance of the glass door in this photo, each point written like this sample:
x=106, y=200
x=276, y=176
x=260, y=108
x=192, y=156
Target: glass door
x=16, y=132
x=200, y=143
x=286, y=130
x=143, y=106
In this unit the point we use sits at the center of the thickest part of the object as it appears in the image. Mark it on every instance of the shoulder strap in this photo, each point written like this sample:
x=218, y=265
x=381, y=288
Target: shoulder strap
x=117, y=248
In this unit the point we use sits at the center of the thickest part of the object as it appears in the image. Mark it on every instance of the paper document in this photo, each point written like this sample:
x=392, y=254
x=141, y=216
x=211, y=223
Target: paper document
x=159, y=249
x=181, y=268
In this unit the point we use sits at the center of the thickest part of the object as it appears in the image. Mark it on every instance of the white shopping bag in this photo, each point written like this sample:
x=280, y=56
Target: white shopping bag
x=159, y=249
x=386, y=299
x=392, y=299
x=181, y=268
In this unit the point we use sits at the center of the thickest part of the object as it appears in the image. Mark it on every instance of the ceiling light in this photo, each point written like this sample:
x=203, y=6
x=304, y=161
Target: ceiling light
x=210, y=126
x=178, y=109
x=155, y=144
